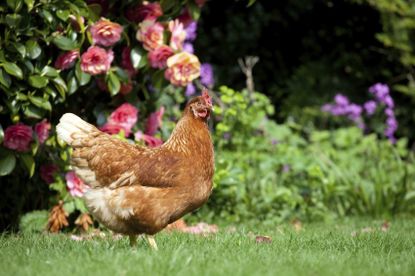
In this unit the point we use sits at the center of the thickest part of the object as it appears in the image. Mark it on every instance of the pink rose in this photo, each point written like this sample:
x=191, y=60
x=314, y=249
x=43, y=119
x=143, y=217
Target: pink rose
x=178, y=35
x=146, y=10
x=105, y=32
x=66, y=60
x=158, y=57
x=126, y=61
x=96, y=60
x=182, y=69
x=125, y=116
x=150, y=141
x=113, y=129
x=42, y=130
x=154, y=121
x=18, y=137
x=75, y=185
x=47, y=172
x=151, y=34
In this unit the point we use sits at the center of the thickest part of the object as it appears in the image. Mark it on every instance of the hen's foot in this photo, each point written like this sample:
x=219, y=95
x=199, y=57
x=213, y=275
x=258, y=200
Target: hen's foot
x=152, y=242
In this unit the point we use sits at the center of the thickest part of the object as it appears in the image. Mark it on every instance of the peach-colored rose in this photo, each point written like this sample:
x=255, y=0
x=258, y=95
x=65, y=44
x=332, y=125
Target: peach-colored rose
x=178, y=35
x=158, y=57
x=96, y=60
x=182, y=68
x=66, y=60
x=146, y=10
x=151, y=34
x=75, y=185
x=42, y=130
x=18, y=137
x=105, y=32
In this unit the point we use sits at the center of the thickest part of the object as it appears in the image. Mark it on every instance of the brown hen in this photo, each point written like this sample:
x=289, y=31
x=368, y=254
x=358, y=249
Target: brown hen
x=137, y=190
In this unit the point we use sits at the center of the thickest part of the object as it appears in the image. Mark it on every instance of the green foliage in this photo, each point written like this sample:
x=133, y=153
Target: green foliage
x=35, y=221
x=272, y=172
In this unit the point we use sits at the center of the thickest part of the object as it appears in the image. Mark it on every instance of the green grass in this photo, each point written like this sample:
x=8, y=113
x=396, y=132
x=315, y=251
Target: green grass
x=319, y=249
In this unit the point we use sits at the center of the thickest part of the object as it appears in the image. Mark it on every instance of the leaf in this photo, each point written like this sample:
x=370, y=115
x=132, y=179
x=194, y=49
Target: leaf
x=40, y=102
x=29, y=4
x=138, y=58
x=20, y=48
x=7, y=162
x=5, y=78
x=72, y=85
x=69, y=207
x=113, y=84
x=63, y=14
x=13, y=20
x=13, y=69
x=32, y=111
x=49, y=71
x=29, y=163
x=15, y=5
x=46, y=15
x=83, y=78
x=38, y=81
x=64, y=43
x=251, y=2
x=33, y=49
x=194, y=10
x=1, y=134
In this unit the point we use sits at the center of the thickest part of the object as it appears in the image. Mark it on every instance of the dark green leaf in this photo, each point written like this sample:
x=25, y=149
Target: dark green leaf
x=5, y=78
x=49, y=71
x=20, y=48
x=122, y=74
x=38, y=81
x=138, y=58
x=60, y=86
x=113, y=84
x=251, y=2
x=29, y=163
x=15, y=5
x=46, y=15
x=34, y=112
x=83, y=78
x=94, y=11
x=29, y=4
x=13, y=20
x=1, y=134
x=13, y=69
x=64, y=43
x=33, y=49
x=40, y=102
x=7, y=162
x=63, y=14
x=72, y=85
x=194, y=10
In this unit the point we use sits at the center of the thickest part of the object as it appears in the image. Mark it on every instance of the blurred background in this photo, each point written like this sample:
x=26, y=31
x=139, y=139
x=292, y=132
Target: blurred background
x=314, y=117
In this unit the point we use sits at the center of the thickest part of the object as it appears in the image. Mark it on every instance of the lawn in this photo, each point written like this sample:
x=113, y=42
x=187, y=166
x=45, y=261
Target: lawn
x=349, y=247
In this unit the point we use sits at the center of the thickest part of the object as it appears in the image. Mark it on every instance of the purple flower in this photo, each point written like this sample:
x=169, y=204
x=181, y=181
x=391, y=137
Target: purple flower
x=354, y=111
x=188, y=47
x=370, y=107
x=191, y=30
x=206, y=74
x=190, y=89
x=327, y=108
x=389, y=112
x=341, y=100
x=380, y=91
x=389, y=101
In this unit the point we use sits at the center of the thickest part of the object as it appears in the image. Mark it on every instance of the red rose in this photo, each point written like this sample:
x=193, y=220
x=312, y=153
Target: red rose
x=144, y=11
x=18, y=137
x=42, y=130
x=96, y=60
x=66, y=60
x=125, y=116
x=47, y=172
x=158, y=57
x=154, y=122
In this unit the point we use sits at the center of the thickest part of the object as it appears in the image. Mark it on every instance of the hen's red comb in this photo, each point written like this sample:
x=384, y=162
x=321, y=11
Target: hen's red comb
x=206, y=97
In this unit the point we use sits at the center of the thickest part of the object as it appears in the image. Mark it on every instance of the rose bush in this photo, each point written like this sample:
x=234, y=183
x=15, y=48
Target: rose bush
x=102, y=60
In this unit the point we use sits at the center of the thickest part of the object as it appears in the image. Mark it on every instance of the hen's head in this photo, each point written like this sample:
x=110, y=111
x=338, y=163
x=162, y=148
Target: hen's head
x=200, y=107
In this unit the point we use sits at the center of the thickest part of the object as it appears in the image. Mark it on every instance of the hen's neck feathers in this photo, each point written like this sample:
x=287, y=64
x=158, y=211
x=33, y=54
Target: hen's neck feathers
x=190, y=134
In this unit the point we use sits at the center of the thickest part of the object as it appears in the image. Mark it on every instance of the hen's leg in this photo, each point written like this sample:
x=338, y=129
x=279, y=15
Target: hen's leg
x=152, y=242
x=133, y=240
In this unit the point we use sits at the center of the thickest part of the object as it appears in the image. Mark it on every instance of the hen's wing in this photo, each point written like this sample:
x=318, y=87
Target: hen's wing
x=102, y=160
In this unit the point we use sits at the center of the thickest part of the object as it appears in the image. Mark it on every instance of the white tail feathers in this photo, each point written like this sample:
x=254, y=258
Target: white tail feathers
x=71, y=126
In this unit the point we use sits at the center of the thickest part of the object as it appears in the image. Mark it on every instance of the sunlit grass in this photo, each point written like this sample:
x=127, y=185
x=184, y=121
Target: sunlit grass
x=328, y=249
